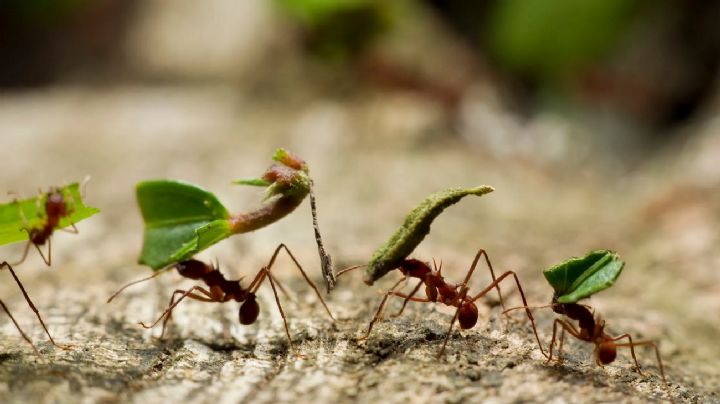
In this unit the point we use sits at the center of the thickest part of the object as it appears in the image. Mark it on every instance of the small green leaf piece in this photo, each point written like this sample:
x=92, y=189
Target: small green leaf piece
x=255, y=182
x=579, y=278
x=414, y=229
x=12, y=227
x=181, y=219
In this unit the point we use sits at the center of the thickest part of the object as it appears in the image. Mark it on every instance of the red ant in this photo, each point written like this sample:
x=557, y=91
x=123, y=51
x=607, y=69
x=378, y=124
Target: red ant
x=221, y=290
x=32, y=306
x=591, y=329
x=440, y=291
x=56, y=208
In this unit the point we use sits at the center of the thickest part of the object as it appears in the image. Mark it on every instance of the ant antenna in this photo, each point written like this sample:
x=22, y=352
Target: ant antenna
x=83, y=186
x=139, y=281
x=325, y=258
x=348, y=269
x=526, y=307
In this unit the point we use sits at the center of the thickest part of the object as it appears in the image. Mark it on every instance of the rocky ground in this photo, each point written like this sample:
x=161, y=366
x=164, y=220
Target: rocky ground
x=372, y=157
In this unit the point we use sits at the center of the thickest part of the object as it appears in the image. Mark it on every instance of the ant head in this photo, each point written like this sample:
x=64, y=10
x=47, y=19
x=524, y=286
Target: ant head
x=55, y=204
x=192, y=269
x=606, y=351
x=37, y=236
x=414, y=268
x=249, y=310
x=468, y=315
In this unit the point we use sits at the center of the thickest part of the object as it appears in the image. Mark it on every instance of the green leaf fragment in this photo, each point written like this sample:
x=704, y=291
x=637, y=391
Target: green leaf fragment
x=181, y=219
x=579, y=278
x=12, y=227
x=255, y=182
x=414, y=229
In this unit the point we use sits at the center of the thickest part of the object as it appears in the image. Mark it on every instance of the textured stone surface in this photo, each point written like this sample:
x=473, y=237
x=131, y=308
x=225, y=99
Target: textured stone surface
x=661, y=221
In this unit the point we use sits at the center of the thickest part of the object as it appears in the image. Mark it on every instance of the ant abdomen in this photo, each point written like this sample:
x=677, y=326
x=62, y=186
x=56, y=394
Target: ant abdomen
x=38, y=236
x=468, y=315
x=249, y=310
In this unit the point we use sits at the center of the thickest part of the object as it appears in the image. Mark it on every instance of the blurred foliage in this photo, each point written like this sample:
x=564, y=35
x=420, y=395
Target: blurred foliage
x=340, y=30
x=41, y=12
x=548, y=39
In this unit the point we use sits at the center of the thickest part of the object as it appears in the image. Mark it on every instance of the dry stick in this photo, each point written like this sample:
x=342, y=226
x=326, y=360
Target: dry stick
x=326, y=263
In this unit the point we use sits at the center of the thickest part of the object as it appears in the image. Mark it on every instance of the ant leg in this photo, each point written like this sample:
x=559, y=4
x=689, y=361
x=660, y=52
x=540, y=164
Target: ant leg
x=522, y=295
x=560, y=346
x=407, y=299
x=172, y=300
x=26, y=227
x=73, y=231
x=632, y=350
x=25, y=253
x=302, y=271
x=48, y=261
x=565, y=327
x=378, y=313
x=282, y=313
x=461, y=298
x=495, y=282
x=653, y=344
x=32, y=306
x=25, y=337
x=185, y=293
x=114, y=295
x=255, y=285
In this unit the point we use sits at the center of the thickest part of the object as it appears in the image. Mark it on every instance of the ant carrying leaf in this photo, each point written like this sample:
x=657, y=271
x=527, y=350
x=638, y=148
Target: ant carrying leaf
x=220, y=290
x=579, y=278
x=182, y=219
x=35, y=220
x=393, y=255
x=438, y=290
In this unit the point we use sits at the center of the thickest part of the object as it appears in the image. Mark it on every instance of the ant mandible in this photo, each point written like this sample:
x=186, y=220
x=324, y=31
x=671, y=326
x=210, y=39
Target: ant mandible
x=56, y=207
x=3, y=265
x=437, y=290
x=221, y=290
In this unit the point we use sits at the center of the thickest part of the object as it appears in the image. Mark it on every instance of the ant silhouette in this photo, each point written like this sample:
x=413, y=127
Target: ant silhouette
x=221, y=290
x=591, y=329
x=4, y=265
x=56, y=207
x=437, y=290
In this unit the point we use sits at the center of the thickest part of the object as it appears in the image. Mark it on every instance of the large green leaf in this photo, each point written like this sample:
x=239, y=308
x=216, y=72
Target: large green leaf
x=414, y=229
x=578, y=278
x=12, y=227
x=181, y=219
